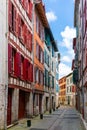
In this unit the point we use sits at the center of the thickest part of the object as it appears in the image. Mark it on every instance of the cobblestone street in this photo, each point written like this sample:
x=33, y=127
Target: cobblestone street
x=65, y=118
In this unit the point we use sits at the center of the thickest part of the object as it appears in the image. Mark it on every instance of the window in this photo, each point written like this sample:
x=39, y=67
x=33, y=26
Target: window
x=12, y=17
x=36, y=75
x=67, y=81
x=13, y=61
x=22, y=66
x=41, y=78
x=41, y=56
x=71, y=80
x=52, y=65
x=46, y=77
x=37, y=24
x=29, y=40
x=37, y=50
x=52, y=82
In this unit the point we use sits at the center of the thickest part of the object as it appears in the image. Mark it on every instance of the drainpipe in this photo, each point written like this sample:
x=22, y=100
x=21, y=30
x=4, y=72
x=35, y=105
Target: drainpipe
x=6, y=69
x=82, y=61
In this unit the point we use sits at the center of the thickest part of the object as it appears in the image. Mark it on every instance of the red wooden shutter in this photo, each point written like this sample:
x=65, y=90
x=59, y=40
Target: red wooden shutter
x=30, y=42
x=24, y=69
x=27, y=6
x=9, y=59
x=29, y=72
x=15, y=18
x=18, y=62
x=27, y=67
x=30, y=10
x=10, y=15
x=27, y=39
x=19, y=26
x=24, y=34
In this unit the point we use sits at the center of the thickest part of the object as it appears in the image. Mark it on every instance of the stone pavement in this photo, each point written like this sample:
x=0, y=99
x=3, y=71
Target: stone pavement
x=42, y=124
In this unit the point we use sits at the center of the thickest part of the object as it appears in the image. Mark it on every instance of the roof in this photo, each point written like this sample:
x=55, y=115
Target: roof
x=41, y=12
x=52, y=39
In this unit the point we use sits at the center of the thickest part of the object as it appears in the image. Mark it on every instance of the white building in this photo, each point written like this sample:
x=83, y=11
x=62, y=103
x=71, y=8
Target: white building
x=70, y=90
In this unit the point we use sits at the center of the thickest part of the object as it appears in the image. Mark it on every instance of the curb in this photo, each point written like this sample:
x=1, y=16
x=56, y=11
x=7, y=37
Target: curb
x=84, y=122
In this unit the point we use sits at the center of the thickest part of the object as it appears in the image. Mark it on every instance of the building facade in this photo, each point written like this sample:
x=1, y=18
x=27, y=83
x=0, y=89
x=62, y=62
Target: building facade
x=80, y=62
x=20, y=66
x=70, y=90
x=50, y=70
x=23, y=83
x=57, y=78
x=38, y=57
x=62, y=91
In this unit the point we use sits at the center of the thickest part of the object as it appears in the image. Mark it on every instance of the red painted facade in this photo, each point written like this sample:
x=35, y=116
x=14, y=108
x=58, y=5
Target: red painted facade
x=20, y=66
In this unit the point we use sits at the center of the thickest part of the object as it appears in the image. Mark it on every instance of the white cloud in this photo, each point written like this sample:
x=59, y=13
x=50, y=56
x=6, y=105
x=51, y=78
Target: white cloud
x=68, y=34
x=67, y=37
x=51, y=16
x=66, y=59
x=64, y=70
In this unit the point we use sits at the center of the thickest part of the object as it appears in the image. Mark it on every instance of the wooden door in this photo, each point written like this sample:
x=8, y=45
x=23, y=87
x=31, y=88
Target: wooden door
x=9, y=107
x=21, y=113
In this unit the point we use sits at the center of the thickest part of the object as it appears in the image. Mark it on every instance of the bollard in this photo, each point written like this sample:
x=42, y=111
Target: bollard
x=41, y=116
x=28, y=123
x=50, y=111
x=53, y=109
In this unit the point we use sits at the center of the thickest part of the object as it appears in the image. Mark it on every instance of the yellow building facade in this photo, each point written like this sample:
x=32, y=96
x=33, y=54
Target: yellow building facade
x=62, y=91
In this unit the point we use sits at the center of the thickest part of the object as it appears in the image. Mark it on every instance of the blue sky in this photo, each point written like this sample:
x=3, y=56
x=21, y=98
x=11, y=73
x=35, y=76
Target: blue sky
x=60, y=14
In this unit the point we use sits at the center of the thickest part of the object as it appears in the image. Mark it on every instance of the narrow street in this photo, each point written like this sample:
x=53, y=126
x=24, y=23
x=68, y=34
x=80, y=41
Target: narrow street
x=64, y=118
x=68, y=120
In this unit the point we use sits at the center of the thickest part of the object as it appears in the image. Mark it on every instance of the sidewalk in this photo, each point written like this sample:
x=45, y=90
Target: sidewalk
x=48, y=120
x=37, y=123
x=84, y=122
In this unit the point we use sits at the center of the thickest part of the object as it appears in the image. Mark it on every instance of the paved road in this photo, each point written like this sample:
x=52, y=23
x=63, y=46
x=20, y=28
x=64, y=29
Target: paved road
x=65, y=118
x=68, y=120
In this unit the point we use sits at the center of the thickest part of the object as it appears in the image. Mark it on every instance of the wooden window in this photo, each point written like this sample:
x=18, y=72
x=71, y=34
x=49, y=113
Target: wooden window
x=36, y=75
x=10, y=15
x=18, y=64
x=30, y=9
x=37, y=50
x=37, y=24
x=21, y=30
x=41, y=56
x=9, y=59
x=13, y=61
x=29, y=40
x=41, y=78
x=22, y=66
x=12, y=20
